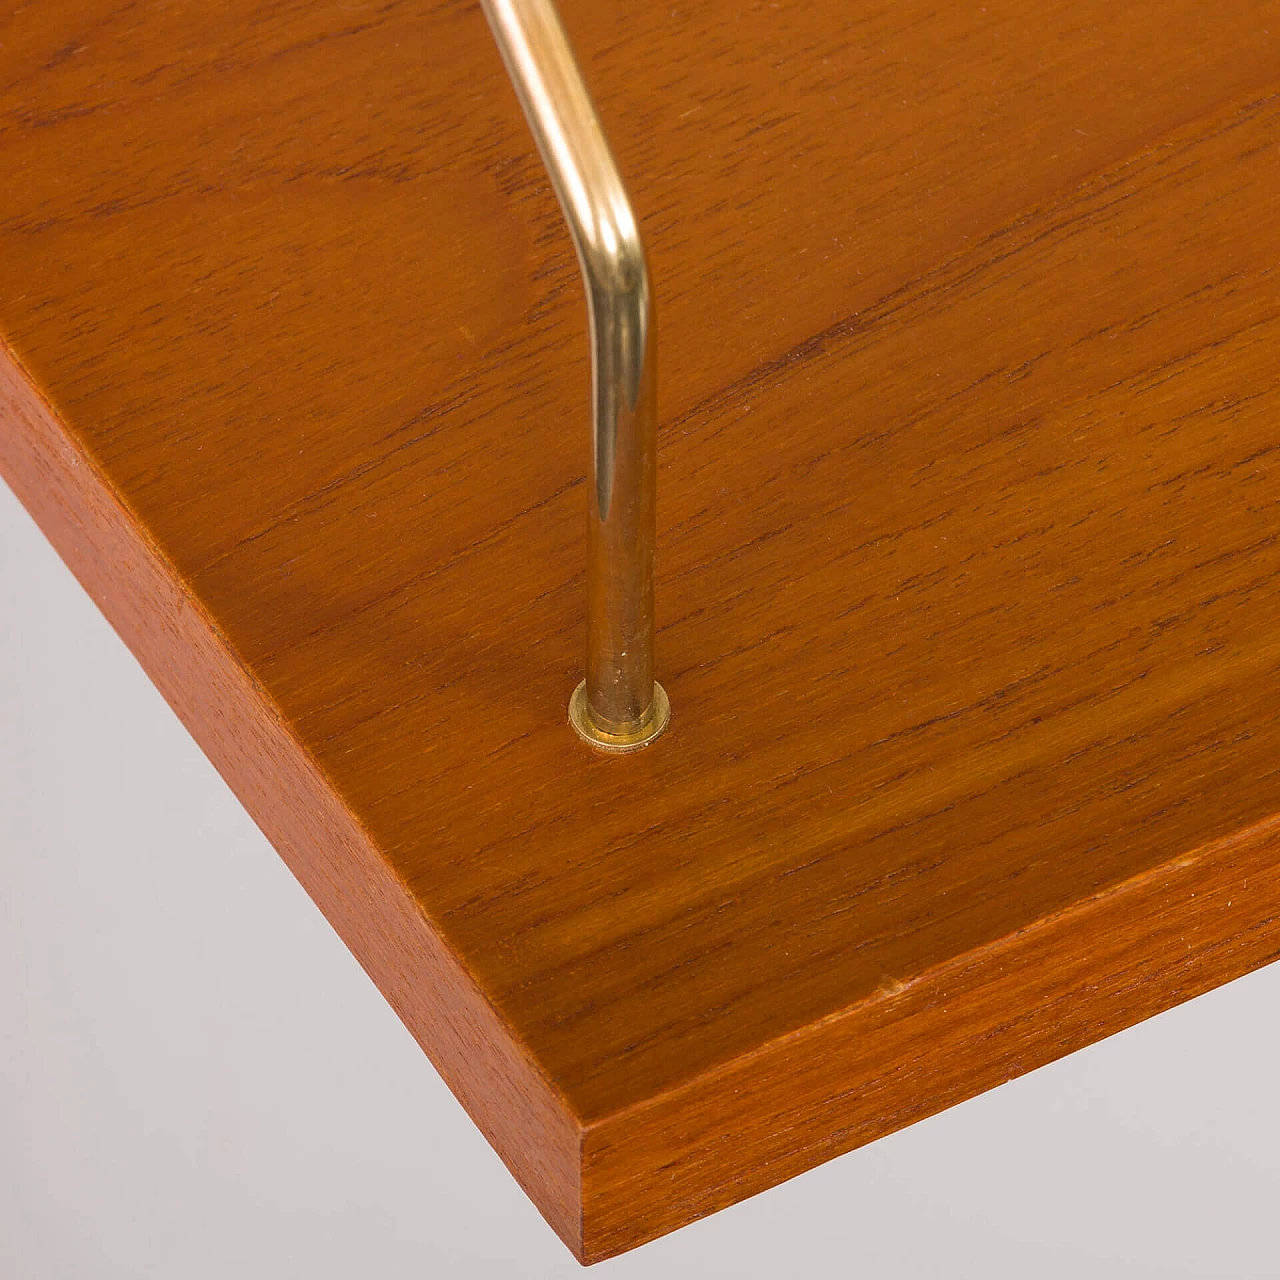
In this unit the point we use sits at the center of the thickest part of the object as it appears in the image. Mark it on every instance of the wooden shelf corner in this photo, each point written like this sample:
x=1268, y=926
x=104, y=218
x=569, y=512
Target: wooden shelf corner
x=968, y=549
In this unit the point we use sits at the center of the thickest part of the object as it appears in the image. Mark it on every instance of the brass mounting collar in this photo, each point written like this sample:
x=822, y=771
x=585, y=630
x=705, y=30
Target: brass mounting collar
x=655, y=721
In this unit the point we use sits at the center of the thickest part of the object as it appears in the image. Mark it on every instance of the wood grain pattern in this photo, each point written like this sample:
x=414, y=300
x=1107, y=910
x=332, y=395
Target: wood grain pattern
x=322, y=841
x=967, y=552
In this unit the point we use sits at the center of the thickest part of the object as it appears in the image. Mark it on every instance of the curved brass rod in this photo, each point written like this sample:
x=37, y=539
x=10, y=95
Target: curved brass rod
x=619, y=706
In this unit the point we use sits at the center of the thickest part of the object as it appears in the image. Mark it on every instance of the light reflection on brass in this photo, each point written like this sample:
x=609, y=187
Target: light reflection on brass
x=618, y=707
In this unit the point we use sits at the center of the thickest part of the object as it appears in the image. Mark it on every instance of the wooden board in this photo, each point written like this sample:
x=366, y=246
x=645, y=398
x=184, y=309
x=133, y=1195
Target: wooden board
x=968, y=545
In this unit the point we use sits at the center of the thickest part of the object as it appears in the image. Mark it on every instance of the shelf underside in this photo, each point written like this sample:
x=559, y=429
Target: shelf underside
x=969, y=535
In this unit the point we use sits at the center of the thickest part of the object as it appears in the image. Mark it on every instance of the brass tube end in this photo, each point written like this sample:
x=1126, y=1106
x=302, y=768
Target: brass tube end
x=651, y=726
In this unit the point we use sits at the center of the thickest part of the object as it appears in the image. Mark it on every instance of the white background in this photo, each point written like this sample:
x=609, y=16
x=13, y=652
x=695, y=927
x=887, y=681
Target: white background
x=197, y=1080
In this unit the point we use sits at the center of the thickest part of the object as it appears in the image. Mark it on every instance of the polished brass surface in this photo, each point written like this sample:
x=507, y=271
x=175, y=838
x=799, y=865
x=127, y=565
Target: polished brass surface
x=620, y=697
x=650, y=726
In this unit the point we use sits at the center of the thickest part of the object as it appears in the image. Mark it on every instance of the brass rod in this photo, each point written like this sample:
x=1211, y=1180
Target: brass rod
x=619, y=706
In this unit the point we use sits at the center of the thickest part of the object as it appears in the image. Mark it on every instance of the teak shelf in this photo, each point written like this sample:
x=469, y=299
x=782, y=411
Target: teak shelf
x=969, y=531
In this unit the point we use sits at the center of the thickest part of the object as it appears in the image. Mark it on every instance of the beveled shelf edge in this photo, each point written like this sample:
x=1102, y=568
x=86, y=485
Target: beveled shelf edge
x=1202, y=918
x=915, y=1048
x=235, y=723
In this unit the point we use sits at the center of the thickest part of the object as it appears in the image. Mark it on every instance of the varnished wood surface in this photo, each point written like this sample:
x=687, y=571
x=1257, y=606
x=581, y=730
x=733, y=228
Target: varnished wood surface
x=967, y=543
